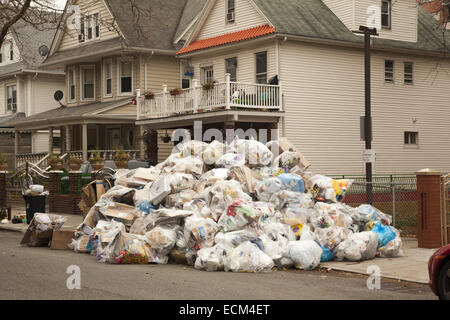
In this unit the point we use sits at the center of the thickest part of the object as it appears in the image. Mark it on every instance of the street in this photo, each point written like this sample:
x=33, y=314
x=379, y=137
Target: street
x=40, y=273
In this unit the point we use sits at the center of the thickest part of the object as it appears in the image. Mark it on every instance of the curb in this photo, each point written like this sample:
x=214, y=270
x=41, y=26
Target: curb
x=4, y=227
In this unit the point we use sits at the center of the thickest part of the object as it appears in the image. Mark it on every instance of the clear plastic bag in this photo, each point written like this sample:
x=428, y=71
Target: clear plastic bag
x=210, y=259
x=305, y=254
x=230, y=160
x=266, y=188
x=200, y=232
x=238, y=214
x=247, y=257
x=358, y=247
x=255, y=152
x=162, y=239
x=331, y=237
x=292, y=182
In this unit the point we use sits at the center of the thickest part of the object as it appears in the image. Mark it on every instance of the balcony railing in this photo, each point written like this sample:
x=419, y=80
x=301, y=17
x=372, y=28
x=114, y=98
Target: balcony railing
x=226, y=95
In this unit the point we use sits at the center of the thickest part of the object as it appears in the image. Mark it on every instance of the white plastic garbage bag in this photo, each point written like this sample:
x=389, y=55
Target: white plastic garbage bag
x=210, y=259
x=162, y=239
x=305, y=254
x=200, y=232
x=331, y=237
x=358, y=247
x=266, y=188
x=255, y=152
x=247, y=257
x=229, y=160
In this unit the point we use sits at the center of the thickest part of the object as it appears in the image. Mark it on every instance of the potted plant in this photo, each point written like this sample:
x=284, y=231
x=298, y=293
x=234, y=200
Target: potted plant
x=208, y=86
x=121, y=159
x=3, y=162
x=75, y=163
x=96, y=161
x=149, y=95
x=175, y=92
x=55, y=163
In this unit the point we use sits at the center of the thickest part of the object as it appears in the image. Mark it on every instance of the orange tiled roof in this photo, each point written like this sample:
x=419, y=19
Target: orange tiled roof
x=228, y=38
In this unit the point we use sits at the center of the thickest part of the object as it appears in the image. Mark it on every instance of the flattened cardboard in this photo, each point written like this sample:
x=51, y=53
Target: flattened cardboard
x=61, y=239
x=286, y=145
x=121, y=211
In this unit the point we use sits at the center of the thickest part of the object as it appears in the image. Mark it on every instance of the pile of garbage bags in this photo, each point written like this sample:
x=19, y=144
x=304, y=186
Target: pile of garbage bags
x=240, y=207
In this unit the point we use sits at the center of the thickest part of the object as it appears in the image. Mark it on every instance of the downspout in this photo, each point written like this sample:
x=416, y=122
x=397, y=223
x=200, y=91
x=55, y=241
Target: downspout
x=283, y=121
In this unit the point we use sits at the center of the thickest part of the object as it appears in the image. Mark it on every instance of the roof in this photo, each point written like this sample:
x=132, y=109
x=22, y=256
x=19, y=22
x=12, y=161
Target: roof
x=312, y=19
x=190, y=12
x=64, y=113
x=229, y=38
x=158, y=22
x=6, y=120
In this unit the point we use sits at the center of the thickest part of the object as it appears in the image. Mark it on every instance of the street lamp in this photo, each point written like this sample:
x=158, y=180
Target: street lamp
x=368, y=32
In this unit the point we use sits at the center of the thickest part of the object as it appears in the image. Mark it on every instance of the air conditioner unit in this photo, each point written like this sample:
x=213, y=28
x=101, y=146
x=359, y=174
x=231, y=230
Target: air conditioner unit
x=230, y=17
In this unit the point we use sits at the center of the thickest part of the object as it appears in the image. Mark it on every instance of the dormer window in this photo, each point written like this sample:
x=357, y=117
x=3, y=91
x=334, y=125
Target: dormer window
x=230, y=11
x=386, y=14
x=11, y=51
x=89, y=28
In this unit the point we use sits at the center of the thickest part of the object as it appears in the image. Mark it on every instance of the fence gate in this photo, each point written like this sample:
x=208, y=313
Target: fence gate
x=445, y=209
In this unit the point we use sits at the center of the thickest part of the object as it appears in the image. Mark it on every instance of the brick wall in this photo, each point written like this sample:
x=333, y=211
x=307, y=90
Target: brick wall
x=67, y=204
x=429, y=211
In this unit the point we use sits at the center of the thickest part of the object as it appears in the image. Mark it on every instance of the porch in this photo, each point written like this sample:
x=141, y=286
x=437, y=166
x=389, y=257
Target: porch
x=226, y=95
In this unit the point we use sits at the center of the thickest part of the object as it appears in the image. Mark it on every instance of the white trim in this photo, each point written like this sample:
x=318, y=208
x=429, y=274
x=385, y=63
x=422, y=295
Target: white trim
x=86, y=66
x=7, y=85
x=187, y=29
x=260, y=12
x=74, y=69
x=119, y=92
x=104, y=62
x=114, y=19
x=412, y=73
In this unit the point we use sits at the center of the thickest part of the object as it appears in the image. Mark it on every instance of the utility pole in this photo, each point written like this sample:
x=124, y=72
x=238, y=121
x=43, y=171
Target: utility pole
x=368, y=32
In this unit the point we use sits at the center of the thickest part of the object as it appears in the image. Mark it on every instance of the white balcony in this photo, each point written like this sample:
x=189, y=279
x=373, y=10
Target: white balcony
x=223, y=96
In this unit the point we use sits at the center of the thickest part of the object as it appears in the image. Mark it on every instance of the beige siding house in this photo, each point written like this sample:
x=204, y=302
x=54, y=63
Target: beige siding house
x=25, y=89
x=107, y=65
x=317, y=97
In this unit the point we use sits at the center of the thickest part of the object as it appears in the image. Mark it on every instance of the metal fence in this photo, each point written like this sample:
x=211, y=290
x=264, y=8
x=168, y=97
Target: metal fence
x=395, y=195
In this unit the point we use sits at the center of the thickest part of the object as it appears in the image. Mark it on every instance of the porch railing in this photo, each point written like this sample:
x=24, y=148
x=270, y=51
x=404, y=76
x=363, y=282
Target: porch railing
x=106, y=154
x=38, y=159
x=225, y=95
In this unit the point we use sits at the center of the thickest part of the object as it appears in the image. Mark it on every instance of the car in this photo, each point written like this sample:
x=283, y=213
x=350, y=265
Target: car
x=439, y=271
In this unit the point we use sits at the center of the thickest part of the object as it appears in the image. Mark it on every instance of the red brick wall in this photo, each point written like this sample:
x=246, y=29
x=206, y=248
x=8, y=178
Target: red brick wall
x=429, y=211
x=65, y=204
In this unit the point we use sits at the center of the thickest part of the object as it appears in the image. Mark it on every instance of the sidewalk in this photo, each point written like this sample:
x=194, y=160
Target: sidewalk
x=73, y=221
x=413, y=267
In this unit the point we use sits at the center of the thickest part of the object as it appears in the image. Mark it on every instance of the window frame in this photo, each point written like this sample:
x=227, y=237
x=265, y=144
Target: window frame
x=105, y=79
x=389, y=14
x=405, y=73
x=13, y=108
x=73, y=70
x=85, y=67
x=89, y=23
x=11, y=51
x=386, y=71
x=236, y=66
x=119, y=77
x=407, y=135
x=203, y=74
x=256, y=66
x=229, y=10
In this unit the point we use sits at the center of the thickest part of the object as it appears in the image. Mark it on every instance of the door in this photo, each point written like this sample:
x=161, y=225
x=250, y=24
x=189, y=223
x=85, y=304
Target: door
x=114, y=138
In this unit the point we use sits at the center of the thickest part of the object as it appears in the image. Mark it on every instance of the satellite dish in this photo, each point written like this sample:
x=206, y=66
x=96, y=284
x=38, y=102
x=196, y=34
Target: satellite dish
x=43, y=50
x=59, y=95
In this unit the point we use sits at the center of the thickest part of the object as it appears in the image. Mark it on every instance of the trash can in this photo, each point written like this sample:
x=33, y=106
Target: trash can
x=34, y=204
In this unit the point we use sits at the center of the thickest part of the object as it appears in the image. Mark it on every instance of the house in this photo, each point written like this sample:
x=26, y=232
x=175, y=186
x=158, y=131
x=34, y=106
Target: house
x=25, y=89
x=314, y=61
x=113, y=55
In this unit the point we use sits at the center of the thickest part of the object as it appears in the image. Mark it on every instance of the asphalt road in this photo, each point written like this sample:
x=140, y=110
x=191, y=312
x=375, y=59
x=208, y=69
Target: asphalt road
x=40, y=273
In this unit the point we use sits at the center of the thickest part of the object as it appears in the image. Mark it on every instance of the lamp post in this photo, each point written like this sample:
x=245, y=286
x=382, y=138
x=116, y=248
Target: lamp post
x=368, y=32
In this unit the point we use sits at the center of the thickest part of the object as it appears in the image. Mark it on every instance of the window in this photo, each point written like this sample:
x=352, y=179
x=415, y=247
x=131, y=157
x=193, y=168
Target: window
x=207, y=75
x=386, y=14
x=1, y=57
x=411, y=138
x=11, y=51
x=108, y=77
x=261, y=68
x=11, y=98
x=389, y=71
x=126, y=77
x=408, y=66
x=185, y=84
x=89, y=28
x=230, y=11
x=72, y=85
x=231, y=68
x=88, y=82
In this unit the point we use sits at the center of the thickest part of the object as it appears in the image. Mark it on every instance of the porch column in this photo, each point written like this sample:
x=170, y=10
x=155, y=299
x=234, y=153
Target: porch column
x=68, y=138
x=85, y=141
x=141, y=142
x=16, y=147
x=228, y=91
x=50, y=140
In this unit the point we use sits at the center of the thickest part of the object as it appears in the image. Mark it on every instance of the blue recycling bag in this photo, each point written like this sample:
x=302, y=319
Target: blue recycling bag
x=327, y=255
x=292, y=182
x=385, y=234
x=145, y=206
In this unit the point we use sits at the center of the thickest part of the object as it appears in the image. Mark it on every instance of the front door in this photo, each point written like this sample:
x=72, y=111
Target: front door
x=114, y=138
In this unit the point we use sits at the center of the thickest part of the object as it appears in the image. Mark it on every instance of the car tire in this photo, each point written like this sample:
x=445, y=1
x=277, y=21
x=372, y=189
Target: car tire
x=444, y=282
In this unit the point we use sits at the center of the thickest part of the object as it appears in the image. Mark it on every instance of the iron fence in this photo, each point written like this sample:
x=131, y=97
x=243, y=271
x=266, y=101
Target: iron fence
x=395, y=195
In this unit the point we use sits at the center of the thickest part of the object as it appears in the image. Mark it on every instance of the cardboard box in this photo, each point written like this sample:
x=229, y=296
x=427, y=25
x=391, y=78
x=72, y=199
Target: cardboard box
x=90, y=195
x=61, y=239
x=121, y=211
x=286, y=145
